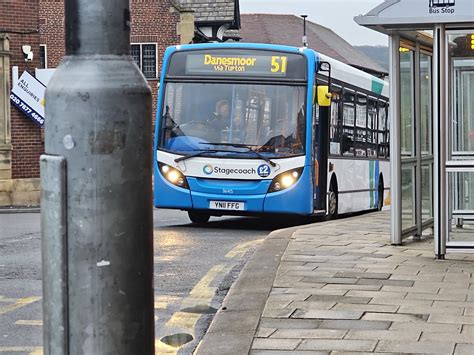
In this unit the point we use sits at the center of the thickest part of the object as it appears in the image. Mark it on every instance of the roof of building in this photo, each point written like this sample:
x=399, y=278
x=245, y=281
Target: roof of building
x=211, y=10
x=288, y=30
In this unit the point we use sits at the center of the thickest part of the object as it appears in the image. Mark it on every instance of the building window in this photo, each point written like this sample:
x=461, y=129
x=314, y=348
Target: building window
x=144, y=55
x=43, y=56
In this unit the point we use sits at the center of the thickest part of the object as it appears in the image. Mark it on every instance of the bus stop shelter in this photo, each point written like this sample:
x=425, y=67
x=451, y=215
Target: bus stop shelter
x=432, y=118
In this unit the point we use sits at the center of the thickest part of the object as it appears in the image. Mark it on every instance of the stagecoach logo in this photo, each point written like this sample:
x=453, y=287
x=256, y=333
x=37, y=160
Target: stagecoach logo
x=442, y=6
x=263, y=170
x=207, y=169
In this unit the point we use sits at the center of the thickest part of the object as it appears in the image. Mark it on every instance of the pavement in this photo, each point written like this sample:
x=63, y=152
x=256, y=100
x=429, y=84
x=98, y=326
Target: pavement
x=339, y=287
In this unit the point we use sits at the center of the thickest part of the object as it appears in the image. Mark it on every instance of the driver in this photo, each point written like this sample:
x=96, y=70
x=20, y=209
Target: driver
x=220, y=118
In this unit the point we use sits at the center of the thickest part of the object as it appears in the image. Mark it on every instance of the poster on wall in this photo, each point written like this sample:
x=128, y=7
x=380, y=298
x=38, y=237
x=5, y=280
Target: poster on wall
x=28, y=96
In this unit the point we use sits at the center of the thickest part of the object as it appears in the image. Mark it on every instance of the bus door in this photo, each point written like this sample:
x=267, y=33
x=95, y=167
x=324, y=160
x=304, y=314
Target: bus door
x=321, y=151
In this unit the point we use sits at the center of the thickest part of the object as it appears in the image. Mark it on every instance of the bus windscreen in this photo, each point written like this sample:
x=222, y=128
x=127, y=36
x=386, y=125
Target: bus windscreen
x=238, y=63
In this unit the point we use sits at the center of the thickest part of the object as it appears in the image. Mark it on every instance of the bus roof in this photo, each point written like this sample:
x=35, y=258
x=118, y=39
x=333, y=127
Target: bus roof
x=346, y=73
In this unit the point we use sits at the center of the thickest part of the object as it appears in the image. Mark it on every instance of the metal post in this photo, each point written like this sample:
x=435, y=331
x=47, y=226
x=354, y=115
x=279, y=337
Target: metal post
x=417, y=141
x=439, y=139
x=395, y=152
x=98, y=109
x=305, y=38
x=54, y=254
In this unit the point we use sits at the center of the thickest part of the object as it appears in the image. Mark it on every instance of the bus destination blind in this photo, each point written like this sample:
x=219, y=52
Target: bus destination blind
x=239, y=63
x=275, y=65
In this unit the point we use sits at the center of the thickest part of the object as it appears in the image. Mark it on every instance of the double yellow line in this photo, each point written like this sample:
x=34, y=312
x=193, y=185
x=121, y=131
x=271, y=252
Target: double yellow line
x=202, y=295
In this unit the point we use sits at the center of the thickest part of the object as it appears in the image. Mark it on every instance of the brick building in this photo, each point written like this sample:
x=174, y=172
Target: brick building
x=156, y=24
x=21, y=141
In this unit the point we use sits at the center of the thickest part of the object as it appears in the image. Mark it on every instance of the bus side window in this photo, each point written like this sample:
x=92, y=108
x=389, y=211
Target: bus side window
x=347, y=134
x=372, y=129
x=387, y=119
x=336, y=121
x=382, y=131
x=360, y=142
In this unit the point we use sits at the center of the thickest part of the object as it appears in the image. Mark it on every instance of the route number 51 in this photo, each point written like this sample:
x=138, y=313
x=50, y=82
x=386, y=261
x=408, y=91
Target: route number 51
x=279, y=64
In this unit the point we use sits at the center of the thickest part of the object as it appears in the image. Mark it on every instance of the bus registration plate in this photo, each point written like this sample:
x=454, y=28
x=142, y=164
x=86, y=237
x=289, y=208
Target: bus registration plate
x=227, y=205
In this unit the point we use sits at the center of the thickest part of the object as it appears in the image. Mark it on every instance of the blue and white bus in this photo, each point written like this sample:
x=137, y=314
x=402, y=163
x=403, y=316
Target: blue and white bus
x=255, y=129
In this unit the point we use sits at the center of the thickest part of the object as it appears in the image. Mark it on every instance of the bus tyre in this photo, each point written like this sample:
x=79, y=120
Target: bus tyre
x=198, y=217
x=381, y=190
x=333, y=200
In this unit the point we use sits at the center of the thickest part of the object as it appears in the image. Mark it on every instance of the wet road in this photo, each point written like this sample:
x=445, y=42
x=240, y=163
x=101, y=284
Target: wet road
x=194, y=268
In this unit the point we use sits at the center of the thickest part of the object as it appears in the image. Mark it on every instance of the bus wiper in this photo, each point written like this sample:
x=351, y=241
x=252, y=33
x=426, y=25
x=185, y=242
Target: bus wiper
x=200, y=153
x=250, y=150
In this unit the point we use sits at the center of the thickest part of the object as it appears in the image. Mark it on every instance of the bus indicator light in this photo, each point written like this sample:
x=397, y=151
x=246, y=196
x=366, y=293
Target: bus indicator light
x=472, y=41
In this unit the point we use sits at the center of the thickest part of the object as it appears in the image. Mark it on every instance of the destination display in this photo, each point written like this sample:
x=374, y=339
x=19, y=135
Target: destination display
x=241, y=63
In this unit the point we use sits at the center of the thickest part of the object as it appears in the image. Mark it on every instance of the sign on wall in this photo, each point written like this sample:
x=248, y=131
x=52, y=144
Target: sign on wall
x=28, y=96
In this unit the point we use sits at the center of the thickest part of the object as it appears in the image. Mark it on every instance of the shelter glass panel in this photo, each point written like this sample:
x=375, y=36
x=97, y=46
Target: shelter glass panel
x=408, y=197
x=407, y=102
x=425, y=105
x=427, y=192
x=460, y=164
x=461, y=214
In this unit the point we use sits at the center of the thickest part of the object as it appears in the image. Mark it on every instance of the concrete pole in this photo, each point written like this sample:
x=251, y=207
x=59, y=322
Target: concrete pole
x=97, y=219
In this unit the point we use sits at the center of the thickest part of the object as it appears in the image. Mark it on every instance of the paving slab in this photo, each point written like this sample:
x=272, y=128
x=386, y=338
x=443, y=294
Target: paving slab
x=327, y=314
x=464, y=349
x=339, y=287
x=309, y=334
x=289, y=323
x=343, y=345
x=355, y=324
x=283, y=352
x=265, y=332
x=400, y=335
x=275, y=344
x=416, y=347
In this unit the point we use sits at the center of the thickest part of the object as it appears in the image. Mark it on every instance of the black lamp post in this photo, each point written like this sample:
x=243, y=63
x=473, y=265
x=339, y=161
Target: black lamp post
x=305, y=39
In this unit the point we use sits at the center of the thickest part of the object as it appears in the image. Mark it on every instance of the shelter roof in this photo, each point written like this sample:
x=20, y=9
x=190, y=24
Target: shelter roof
x=417, y=14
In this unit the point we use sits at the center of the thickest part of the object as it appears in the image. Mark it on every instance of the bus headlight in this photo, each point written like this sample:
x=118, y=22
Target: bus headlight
x=285, y=180
x=173, y=175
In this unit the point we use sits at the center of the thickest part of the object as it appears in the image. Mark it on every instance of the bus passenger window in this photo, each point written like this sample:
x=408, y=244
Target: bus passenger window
x=360, y=142
x=372, y=129
x=383, y=138
x=335, y=127
x=347, y=134
x=387, y=131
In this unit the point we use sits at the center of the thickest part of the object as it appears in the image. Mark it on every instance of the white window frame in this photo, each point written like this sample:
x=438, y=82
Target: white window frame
x=141, y=44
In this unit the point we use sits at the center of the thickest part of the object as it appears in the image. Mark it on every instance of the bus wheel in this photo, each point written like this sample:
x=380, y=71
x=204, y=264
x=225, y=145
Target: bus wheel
x=198, y=217
x=381, y=190
x=333, y=200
